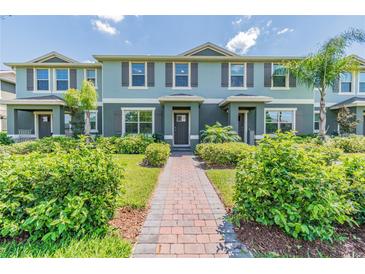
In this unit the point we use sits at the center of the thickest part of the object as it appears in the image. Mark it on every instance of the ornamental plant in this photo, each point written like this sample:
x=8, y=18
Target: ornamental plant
x=219, y=134
x=157, y=154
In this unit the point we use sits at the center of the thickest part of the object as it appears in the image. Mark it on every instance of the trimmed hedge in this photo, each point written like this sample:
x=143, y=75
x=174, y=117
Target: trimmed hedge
x=156, y=155
x=292, y=187
x=58, y=195
x=350, y=144
x=226, y=154
x=130, y=144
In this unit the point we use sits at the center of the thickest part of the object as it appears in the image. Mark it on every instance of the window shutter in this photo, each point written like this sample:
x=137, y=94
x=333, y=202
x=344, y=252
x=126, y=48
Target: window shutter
x=73, y=78
x=125, y=74
x=168, y=74
x=292, y=80
x=336, y=86
x=250, y=75
x=224, y=75
x=117, y=122
x=30, y=79
x=267, y=75
x=194, y=75
x=151, y=74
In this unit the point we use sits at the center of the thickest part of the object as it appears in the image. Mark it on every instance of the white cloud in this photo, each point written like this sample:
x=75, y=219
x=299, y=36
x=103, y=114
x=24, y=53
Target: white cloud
x=104, y=27
x=127, y=42
x=243, y=41
x=284, y=31
x=237, y=22
x=268, y=24
x=114, y=18
x=247, y=17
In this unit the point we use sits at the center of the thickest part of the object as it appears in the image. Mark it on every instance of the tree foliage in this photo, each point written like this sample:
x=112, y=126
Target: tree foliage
x=347, y=121
x=219, y=134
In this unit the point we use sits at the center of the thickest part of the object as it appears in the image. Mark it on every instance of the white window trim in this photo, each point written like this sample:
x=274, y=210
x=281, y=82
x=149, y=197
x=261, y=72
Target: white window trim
x=138, y=109
x=352, y=86
x=96, y=75
x=294, y=110
x=358, y=83
x=286, y=88
x=35, y=81
x=130, y=76
x=55, y=90
x=314, y=121
x=96, y=123
x=174, y=76
x=244, y=76
x=36, y=125
x=173, y=127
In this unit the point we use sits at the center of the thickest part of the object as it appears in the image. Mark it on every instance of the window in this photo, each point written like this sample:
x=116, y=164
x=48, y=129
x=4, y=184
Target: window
x=237, y=75
x=182, y=75
x=42, y=79
x=91, y=76
x=279, y=120
x=138, y=75
x=279, y=76
x=68, y=130
x=93, y=121
x=362, y=82
x=61, y=79
x=316, y=121
x=138, y=121
x=346, y=82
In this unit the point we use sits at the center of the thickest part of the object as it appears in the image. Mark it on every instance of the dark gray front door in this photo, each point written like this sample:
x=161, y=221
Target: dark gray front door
x=44, y=125
x=181, y=128
x=241, y=126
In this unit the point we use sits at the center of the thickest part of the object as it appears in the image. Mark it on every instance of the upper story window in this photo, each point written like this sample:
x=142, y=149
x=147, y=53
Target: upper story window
x=182, y=75
x=42, y=76
x=138, y=74
x=283, y=120
x=237, y=75
x=91, y=76
x=280, y=76
x=346, y=82
x=362, y=81
x=62, y=79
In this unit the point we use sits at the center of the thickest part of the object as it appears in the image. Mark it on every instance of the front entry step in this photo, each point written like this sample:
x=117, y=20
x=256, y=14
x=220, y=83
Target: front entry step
x=183, y=149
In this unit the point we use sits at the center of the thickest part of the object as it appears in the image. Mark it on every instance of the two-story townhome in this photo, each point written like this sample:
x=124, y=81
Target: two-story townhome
x=7, y=91
x=348, y=92
x=173, y=96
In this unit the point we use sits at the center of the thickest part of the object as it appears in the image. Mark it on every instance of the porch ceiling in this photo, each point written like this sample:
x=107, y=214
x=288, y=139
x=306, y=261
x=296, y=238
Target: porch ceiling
x=243, y=98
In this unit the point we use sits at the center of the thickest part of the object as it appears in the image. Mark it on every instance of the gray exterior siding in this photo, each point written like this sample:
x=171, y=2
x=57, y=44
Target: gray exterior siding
x=211, y=113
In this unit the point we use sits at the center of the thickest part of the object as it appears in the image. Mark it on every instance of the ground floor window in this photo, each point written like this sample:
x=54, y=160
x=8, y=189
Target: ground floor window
x=68, y=130
x=138, y=121
x=93, y=121
x=283, y=120
x=316, y=121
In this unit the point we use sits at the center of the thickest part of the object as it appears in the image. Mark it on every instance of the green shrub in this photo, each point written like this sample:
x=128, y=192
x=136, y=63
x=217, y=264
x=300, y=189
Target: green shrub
x=350, y=144
x=156, y=155
x=355, y=172
x=130, y=144
x=287, y=185
x=58, y=195
x=226, y=154
x=5, y=139
x=219, y=134
x=325, y=152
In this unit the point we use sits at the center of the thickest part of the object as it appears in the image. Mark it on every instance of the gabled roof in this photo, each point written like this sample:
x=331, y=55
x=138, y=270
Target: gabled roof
x=7, y=76
x=359, y=59
x=352, y=102
x=208, y=49
x=52, y=57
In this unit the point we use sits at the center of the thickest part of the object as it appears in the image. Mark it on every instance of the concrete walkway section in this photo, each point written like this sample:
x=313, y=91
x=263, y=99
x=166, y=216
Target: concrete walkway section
x=187, y=218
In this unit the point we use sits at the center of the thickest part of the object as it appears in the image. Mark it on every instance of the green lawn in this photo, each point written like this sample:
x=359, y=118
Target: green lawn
x=223, y=180
x=139, y=181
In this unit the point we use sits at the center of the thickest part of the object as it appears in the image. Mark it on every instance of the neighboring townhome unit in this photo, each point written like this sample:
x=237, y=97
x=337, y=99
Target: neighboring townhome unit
x=348, y=92
x=171, y=96
x=7, y=92
x=39, y=109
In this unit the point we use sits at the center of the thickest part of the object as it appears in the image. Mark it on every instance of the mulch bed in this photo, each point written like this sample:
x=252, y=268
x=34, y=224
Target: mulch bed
x=129, y=222
x=265, y=240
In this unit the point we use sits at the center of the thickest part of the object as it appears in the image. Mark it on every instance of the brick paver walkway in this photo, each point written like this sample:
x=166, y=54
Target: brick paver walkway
x=186, y=218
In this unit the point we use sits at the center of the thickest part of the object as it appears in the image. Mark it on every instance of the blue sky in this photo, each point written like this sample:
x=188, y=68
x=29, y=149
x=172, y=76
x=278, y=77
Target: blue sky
x=26, y=37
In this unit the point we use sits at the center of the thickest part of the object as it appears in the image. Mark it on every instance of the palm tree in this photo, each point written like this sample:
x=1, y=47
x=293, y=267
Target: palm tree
x=323, y=69
x=219, y=134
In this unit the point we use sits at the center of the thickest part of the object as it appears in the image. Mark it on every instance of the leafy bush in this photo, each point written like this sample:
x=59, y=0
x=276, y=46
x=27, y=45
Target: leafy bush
x=226, y=154
x=157, y=154
x=219, y=134
x=355, y=172
x=130, y=144
x=289, y=186
x=58, y=195
x=326, y=153
x=350, y=144
x=5, y=139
